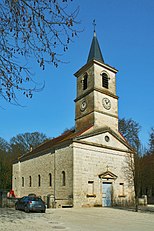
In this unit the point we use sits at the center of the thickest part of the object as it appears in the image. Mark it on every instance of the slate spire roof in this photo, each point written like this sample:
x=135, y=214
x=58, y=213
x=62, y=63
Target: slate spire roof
x=95, y=51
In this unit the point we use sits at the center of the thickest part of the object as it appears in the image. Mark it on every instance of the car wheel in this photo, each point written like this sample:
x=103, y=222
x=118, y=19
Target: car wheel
x=43, y=211
x=26, y=209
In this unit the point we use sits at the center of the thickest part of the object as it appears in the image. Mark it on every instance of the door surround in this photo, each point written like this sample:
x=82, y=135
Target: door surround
x=107, y=178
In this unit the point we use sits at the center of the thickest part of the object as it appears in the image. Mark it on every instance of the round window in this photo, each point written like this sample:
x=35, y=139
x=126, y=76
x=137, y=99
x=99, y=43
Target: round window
x=107, y=139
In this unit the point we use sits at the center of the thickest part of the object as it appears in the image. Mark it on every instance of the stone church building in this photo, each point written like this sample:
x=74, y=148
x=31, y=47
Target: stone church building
x=85, y=166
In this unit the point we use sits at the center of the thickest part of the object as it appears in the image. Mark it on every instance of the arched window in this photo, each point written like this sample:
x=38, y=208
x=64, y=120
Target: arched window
x=30, y=181
x=85, y=82
x=105, y=80
x=39, y=180
x=63, y=178
x=23, y=183
x=50, y=179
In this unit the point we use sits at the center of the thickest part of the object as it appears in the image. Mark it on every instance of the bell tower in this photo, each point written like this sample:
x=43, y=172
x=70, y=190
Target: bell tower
x=96, y=100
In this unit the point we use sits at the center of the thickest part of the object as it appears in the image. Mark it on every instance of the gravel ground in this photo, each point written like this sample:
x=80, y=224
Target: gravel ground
x=83, y=219
x=12, y=220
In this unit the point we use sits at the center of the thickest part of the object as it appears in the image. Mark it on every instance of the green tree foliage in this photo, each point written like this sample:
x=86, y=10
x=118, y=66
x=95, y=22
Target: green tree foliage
x=39, y=29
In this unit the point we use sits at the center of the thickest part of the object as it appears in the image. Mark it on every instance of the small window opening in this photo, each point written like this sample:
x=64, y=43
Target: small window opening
x=90, y=187
x=50, y=179
x=121, y=190
x=23, y=183
x=39, y=180
x=30, y=181
x=105, y=80
x=85, y=81
x=63, y=178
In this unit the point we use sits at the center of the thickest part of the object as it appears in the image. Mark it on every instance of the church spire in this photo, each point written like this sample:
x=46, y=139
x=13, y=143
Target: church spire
x=95, y=51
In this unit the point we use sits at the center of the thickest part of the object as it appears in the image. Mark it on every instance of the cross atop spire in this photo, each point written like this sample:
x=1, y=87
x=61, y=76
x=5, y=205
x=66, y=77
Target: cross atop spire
x=94, y=24
x=95, y=51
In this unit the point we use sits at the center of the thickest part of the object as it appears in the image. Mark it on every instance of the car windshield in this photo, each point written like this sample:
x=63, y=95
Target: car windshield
x=27, y=198
x=34, y=199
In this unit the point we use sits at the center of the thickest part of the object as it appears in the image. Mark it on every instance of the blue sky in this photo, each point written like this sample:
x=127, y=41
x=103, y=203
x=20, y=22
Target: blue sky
x=125, y=31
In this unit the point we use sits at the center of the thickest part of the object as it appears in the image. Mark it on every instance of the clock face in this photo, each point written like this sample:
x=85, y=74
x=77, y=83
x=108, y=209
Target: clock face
x=106, y=103
x=83, y=105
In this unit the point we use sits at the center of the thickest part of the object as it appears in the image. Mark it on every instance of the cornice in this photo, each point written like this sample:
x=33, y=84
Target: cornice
x=84, y=94
x=88, y=113
x=106, y=113
x=106, y=92
x=103, y=91
x=103, y=146
x=93, y=111
x=89, y=64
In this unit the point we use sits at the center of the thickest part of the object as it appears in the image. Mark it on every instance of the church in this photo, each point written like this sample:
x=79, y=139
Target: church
x=86, y=166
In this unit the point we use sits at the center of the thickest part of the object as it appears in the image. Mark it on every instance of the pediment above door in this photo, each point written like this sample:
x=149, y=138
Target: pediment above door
x=108, y=175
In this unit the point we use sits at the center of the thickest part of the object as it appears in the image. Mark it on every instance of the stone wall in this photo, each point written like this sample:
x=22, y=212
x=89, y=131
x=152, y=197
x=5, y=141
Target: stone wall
x=83, y=165
x=89, y=163
x=54, y=163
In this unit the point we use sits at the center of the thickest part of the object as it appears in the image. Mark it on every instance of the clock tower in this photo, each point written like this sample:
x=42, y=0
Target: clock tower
x=96, y=101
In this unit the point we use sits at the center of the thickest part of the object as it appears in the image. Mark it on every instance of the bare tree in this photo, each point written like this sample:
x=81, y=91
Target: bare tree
x=132, y=172
x=5, y=165
x=9, y=152
x=41, y=29
x=22, y=143
x=147, y=186
x=130, y=130
x=151, y=142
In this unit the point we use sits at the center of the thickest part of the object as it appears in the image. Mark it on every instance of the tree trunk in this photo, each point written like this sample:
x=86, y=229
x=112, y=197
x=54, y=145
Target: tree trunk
x=136, y=204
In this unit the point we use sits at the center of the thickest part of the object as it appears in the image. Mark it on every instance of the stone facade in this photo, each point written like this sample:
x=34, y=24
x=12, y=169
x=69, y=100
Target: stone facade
x=86, y=166
x=88, y=161
x=48, y=170
x=95, y=162
x=95, y=113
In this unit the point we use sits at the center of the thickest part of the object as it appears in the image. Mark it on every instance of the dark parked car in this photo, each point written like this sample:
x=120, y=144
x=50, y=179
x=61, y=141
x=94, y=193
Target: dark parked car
x=29, y=203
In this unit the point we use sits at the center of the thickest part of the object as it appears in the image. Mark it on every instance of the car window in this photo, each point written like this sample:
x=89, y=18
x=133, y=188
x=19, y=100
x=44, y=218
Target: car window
x=36, y=199
x=27, y=198
x=23, y=199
